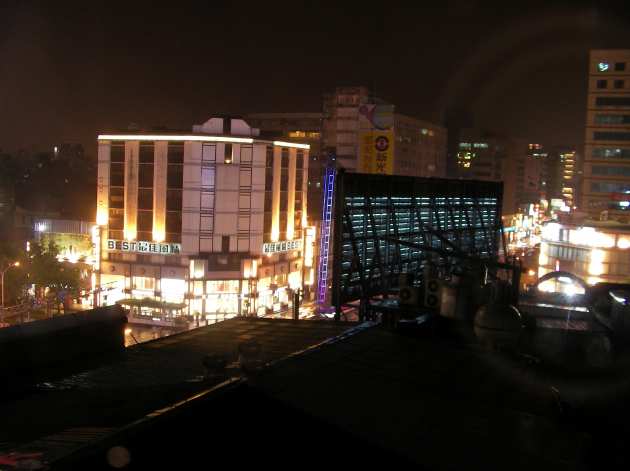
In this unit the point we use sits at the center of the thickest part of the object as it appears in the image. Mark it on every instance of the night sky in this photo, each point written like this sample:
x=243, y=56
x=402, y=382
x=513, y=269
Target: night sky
x=70, y=71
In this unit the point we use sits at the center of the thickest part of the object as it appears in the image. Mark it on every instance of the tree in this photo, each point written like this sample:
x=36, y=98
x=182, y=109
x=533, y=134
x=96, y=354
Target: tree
x=14, y=280
x=52, y=279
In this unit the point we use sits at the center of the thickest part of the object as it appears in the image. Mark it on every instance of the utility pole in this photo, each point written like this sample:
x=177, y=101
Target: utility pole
x=296, y=304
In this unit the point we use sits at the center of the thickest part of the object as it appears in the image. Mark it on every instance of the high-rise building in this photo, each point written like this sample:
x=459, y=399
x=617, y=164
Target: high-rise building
x=360, y=133
x=515, y=162
x=606, y=178
x=209, y=223
x=568, y=170
x=371, y=137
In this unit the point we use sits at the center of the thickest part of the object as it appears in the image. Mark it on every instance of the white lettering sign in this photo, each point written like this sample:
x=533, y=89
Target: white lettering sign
x=142, y=246
x=282, y=246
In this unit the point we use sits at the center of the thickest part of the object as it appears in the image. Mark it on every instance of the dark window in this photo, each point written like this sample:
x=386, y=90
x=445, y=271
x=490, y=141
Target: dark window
x=267, y=225
x=227, y=158
x=175, y=153
x=606, y=187
x=117, y=153
x=145, y=222
x=116, y=219
x=602, y=83
x=146, y=153
x=145, y=198
x=298, y=179
x=175, y=176
x=268, y=200
x=225, y=244
x=145, y=175
x=268, y=178
x=284, y=180
x=611, y=136
x=285, y=158
x=283, y=201
x=299, y=162
x=620, y=66
x=116, y=197
x=173, y=221
x=612, y=119
x=117, y=174
x=115, y=234
x=618, y=83
x=173, y=200
x=269, y=157
x=612, y=101
x=614, y=171
x=610, y=153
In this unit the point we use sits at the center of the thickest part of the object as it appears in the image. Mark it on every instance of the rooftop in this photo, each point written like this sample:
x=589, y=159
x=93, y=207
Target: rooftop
x=147, y=377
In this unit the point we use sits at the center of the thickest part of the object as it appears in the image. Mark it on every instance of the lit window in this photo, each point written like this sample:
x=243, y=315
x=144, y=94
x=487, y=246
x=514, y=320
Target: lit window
x=228, y=153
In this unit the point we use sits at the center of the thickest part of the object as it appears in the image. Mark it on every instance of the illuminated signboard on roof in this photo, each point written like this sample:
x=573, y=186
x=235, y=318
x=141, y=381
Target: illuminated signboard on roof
x=282, y=246
x=141, y=246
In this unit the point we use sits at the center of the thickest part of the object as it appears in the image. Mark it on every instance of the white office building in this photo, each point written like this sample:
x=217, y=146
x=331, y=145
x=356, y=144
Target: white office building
x=210, y=223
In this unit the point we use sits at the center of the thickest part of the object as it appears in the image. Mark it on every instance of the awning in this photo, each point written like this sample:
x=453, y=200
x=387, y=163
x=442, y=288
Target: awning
x=152, y=303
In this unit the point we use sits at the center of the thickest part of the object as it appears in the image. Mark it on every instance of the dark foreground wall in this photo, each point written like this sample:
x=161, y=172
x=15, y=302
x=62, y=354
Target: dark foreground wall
x=36, y=348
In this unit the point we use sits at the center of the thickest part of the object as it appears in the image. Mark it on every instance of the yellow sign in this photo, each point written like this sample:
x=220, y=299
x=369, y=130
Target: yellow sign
x=376, y=153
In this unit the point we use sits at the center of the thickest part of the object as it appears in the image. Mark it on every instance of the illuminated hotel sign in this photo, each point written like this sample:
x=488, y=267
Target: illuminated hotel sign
x=144, y=247
x=283, y=246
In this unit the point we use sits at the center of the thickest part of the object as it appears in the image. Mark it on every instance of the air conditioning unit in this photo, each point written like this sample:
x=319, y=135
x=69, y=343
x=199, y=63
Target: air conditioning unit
x=409, y=296
x=432, y=293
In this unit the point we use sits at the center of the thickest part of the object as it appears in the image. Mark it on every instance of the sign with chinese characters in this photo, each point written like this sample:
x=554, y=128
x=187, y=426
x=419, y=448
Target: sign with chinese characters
x=376, y=154
x=376, y=138
x=282, y=246
x=141, y=246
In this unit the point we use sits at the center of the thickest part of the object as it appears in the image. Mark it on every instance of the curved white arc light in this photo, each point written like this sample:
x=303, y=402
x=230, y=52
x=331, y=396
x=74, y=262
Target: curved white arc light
x=291, y=144
x=151, y=137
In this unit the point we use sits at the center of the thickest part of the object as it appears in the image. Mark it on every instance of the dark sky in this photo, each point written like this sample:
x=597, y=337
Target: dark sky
x=68, y=71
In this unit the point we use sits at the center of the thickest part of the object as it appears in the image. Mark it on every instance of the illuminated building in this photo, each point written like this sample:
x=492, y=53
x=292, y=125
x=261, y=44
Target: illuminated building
x=360, y=133
x=563, y=174
x=210, y=223
x=388, y=225
x=72, y=238
x=517, y=163
x=568, y=163
x=480, y=160
x=370, y=137
x=606, y=184
x=596, y=251
x=75, y=243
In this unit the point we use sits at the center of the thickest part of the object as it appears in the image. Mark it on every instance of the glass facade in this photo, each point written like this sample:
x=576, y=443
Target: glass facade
x=612, y=119
x=611, y=136
x=612, y=101
x=436, y=214
x=609, y=187
x=616, y=171
x=610, y=153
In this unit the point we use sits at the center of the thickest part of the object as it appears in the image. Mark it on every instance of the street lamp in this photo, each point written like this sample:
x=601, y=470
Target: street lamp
x=10, y=265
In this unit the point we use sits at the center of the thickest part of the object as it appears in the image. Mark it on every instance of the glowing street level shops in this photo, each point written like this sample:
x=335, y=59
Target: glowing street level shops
x=212, y=224
x=595, y=251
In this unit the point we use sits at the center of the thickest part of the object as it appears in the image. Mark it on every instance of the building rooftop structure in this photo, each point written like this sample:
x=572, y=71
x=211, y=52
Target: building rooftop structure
x=147, y=377
x=369, y=395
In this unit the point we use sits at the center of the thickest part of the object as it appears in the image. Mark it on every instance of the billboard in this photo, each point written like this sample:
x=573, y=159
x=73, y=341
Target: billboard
x=376, y=139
